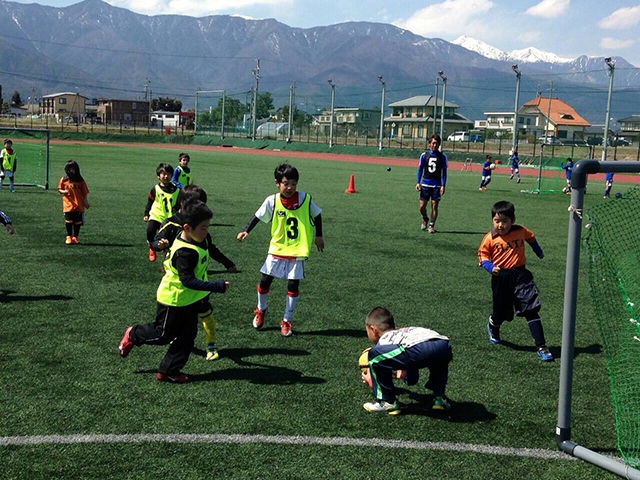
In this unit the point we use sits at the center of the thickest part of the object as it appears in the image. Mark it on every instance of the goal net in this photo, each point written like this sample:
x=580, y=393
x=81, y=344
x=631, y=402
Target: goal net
x=613, y=246
x=32, y=149
x=209, y=107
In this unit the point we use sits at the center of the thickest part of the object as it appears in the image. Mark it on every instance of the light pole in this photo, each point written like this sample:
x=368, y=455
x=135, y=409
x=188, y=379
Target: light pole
x=435, y=106
x=514, y=142
x=333, y=98
x=444, y=98
x=254, y=120
x=384, y=84
x=611, y=65
x=291, y=103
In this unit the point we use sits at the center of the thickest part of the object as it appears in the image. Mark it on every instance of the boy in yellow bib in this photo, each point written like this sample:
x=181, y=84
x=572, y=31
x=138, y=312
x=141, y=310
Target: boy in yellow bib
x=161, y=202
x=9, y=159
x=182, y=292
x=293, y=216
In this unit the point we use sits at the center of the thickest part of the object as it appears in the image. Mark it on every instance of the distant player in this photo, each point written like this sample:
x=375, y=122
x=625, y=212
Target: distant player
x=74, y=193
x=502, y=254
x=6, y=221
x=608, y=181
x=162, y=200
x=404, y=350
x=9, y=159
x=182, y=173
x=296, y=223
x=515, y=170
x=431, y=181
x=567, y=167
x=485, y=179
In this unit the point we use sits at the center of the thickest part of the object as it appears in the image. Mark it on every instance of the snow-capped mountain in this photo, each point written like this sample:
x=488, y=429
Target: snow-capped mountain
x=525, y=55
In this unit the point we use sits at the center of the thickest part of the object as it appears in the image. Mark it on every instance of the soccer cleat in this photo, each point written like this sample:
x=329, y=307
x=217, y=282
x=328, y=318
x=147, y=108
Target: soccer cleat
x=285, y=328
x=68, y=240
x=380, y=406
x=431, y=228
x=172, y=378
x=125, y=344
x=494, y=335
x=152, y=255
x=480, y=189
x=441, y=403
x=518, y=181
x=74, y=240
x=212, y=352
x=544, y=354
x=511, y=177
x=13, y=190
x=258, y=319
x=423, y=226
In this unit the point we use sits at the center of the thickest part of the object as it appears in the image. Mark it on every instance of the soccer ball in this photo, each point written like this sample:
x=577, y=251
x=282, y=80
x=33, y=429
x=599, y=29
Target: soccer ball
x=363, y=360
x=618, y=195
x=388, y=169
x=492, y=166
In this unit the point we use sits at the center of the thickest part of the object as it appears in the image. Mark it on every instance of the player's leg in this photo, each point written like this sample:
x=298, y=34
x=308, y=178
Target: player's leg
x=12, y=187
x=527, y=303
x=205, y=314
x=435, y=201
x=383, y=361
x=263, y=296
x=293, y=290
x=436, y=356
x=68, y=224
x=77, y=223
x=152, y=229
x=502, y=309
x=517, y=175
x=185, y=331
x=423, y=210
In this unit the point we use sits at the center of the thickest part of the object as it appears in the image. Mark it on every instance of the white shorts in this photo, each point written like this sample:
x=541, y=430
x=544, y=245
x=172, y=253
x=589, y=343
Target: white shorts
x=7, y=173
x=282, y=268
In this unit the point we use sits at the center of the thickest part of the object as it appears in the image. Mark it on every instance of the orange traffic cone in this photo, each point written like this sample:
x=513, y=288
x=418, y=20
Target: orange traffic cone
x=352, y=186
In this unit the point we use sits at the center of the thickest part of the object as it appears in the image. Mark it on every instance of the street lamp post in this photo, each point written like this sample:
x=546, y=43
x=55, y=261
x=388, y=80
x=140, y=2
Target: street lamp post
x=435, y=106
x=444, y=98
x=611, y=65
x=333, y=98
x=514, y=142
x=384, y=84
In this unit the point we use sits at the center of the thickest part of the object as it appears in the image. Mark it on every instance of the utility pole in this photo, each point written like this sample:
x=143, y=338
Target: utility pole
x=605, y=138
x=514, y=142
x=256, y=74
x=444, y=98
x=381, y=137
x=333, y=98
x=549, y=110
x=291, y=103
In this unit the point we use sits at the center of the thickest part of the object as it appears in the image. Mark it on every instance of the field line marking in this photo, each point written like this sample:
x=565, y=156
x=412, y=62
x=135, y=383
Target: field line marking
x=282, y=439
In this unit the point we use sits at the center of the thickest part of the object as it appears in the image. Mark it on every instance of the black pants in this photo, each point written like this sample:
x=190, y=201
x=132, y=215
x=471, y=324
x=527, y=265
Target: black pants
x=177, y=326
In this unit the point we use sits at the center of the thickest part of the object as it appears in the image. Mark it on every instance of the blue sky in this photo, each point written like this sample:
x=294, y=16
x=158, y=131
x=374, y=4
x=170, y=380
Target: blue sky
x=568, y=28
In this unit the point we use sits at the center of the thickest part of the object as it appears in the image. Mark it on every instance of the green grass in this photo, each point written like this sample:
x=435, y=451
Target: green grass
x=63, y=310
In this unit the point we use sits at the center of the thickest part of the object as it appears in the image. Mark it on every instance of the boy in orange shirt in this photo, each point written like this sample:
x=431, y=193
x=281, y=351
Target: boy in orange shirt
x=502, y=254
x=74, y=193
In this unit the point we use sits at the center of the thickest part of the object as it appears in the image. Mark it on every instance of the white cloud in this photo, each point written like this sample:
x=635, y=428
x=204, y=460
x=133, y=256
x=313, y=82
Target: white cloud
x=622, y=18
x=451, y=17
x=615, y=44
x=193, y=8
x=549, y=8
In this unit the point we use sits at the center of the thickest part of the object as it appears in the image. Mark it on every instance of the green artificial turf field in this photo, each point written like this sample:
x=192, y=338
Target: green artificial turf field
x=292, y=407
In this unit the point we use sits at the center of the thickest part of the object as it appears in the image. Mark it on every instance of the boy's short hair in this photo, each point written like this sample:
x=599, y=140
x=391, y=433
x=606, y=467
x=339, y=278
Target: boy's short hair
x=435, y=137
x=487, y=157
x=164, y=167
x=184, y=155
x=195, y=212
x=505, y=208
x=569, y=160
x=8, y=140
x=191, y=192
x=381, y=318
x=285, y=170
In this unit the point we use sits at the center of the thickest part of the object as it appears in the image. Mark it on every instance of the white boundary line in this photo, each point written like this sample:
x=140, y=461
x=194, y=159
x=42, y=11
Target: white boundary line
x=283, y=440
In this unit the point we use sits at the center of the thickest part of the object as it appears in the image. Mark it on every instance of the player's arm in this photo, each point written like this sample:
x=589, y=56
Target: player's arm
x=485, y=257
x=420, y=171
x=535, y=246
x=319, y=240
x=185, y=261
x=6, y=221
x=263, y=214
x=445, y=167
x=250, y=226
x=167, y=233
x=150, y=199
x=218, y=256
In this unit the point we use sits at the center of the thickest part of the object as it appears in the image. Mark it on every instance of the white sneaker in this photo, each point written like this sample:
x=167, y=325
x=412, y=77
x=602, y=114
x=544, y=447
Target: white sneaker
x=382, y=406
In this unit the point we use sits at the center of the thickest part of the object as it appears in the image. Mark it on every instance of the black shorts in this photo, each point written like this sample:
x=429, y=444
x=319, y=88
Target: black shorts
x=513, y=290
x=76, y=218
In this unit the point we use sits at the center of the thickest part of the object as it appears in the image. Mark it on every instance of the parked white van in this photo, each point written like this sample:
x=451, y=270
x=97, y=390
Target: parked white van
x=458, y=137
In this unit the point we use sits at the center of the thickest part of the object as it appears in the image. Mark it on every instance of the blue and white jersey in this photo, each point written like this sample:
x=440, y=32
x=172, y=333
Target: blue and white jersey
x=486, y=168
x=409, y=336
x=432, y=169
x=4, y=218
x=567, y=167
x=514, y=162
x=608, y=178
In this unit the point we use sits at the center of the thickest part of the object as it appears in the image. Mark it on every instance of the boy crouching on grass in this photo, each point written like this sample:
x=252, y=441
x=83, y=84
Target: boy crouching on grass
x=502, y=254
x=182, y=292
x=405, y=350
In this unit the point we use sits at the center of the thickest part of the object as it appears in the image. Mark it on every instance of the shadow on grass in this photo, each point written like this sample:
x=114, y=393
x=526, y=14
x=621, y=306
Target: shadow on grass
x=223, y=225
x=95, y=244
x=461, y=412
x=593, y=349
x=7, y=296
x=336, y=332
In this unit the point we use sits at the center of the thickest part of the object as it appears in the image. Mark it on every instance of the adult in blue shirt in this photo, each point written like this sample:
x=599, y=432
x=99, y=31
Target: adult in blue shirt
x=431, y=181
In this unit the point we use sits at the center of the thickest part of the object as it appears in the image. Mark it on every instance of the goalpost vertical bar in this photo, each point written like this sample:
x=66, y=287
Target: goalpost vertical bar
x=46, y=175
x=563, y=427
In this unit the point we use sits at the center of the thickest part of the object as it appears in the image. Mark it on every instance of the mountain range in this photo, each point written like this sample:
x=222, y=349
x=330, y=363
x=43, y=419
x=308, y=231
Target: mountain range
x=103, y=51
